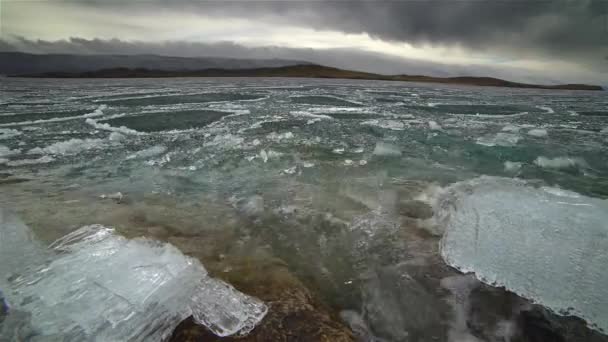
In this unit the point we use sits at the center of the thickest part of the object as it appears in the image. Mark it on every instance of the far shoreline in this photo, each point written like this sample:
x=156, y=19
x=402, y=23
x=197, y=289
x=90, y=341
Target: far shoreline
x=301, y=71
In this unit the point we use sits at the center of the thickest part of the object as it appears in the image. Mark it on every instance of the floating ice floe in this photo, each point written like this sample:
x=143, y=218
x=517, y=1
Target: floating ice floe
x=107, y=127
x=538, y=132
x=270, y=154
x=69, y=147
x=545, y=244
x=434, y=126
x=147, y=153
x=499, y=139
x=96, y=112
x=228, y=141
x=7, y=133
x=548, y=110
x=279, y=136
x=7, y=152
x=291, y=170
x=386, y=150
x=25, y=162
x=512, y=166
x=560, y=162
x=511, y=128
x=95, y=285
x=387, y=124
x=312, y=117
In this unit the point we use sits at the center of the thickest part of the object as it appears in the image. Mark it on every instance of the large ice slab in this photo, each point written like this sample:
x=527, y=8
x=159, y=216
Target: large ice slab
x=94, y=285
x=546, y=244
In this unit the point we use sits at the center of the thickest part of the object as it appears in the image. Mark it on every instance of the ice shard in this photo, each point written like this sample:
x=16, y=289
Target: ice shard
x=94, y=285
x=545, y=244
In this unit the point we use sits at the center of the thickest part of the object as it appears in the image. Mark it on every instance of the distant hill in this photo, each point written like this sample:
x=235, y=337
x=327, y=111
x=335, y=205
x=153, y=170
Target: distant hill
x=16, y=63
x=300, y=71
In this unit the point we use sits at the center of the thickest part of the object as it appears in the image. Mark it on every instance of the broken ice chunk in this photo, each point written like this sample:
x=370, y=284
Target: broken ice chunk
x=224, y=310
x=546, y=244
x=95, y=285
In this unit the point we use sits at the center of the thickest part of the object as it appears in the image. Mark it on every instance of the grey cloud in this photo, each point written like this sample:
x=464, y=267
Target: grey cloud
x=572, y=30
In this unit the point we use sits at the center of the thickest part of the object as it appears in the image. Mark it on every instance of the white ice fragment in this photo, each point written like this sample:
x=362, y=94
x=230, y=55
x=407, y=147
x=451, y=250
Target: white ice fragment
x=7, y=152
x=308, y=164
x=359, y=150
x=545, y=244
x=6, y=133
x=96, y=112
x=338, y=150
x=290, y=171
x=227, y=141
x=434, y=126
x=386, y=150
x=500, y=139
x=559, y=162
x=24, y=162
x=264, y=155
x=538, y=132
x=280, y=136
x=362, y=162
x=387, y=124
x=95, y=285
x=512, y=166
x=115, y=136
x=511, y=128
x=117, y=196
x=147, y=153
x=250, y=158
x=69, y=147
x=107, y=127
x=255, y=142
x=224, y=310
x=547, y=109
x=348, y=162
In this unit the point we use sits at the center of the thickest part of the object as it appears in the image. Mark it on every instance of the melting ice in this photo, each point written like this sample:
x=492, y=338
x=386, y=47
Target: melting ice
x=95, y=285
x=544, y=243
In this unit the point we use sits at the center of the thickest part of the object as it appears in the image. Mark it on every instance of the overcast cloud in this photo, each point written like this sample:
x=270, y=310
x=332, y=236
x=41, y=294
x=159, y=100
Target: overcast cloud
x=563, y=38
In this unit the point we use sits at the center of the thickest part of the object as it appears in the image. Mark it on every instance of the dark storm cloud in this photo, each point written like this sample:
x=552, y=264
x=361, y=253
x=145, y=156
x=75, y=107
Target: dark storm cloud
x=574, y=30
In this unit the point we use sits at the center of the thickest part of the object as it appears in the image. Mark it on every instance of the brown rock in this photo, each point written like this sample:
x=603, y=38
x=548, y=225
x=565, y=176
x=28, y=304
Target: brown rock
x=293, y=315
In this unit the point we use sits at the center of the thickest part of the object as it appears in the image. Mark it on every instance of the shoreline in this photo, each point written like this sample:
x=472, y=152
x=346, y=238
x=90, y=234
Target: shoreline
x=302, y=71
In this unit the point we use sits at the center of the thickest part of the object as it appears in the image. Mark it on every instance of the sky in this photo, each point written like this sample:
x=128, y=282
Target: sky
x=539, y=40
